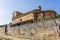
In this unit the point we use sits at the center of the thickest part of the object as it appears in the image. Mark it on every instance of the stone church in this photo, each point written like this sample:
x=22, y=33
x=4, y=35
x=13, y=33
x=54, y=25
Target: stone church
x=33, y=16
x=37, y=23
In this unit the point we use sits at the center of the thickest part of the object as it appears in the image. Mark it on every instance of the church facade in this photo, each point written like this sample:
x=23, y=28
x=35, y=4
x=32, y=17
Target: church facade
x=33, y=16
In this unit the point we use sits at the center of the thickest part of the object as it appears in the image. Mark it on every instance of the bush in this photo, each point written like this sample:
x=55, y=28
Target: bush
x=57, y=16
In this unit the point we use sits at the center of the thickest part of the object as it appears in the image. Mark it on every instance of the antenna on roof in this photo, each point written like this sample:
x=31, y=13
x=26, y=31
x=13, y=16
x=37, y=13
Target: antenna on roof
x=39, y=7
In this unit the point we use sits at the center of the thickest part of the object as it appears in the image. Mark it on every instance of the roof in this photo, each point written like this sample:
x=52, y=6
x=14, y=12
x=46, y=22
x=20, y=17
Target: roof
x=27, y=13
x=35, y=10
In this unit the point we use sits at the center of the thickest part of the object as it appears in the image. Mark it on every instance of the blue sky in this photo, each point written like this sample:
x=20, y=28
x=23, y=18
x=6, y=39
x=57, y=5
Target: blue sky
x=7, y=7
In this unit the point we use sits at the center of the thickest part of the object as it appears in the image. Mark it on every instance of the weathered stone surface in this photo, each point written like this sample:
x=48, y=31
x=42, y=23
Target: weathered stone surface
x=34, y=30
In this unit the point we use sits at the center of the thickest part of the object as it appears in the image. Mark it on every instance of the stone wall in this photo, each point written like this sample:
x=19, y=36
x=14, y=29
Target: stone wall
x=35, y=30
x=2, y=30
x=23, y=18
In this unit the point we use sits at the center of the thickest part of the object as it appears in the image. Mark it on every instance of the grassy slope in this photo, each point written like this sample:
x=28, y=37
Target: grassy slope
x=11, y=38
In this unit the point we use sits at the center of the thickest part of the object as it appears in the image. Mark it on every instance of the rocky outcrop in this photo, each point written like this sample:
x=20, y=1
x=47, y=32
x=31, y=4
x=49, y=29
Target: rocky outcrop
x=38, y=30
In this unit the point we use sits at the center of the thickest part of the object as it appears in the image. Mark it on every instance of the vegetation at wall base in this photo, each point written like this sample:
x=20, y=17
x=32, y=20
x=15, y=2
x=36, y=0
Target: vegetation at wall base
x=57, y=16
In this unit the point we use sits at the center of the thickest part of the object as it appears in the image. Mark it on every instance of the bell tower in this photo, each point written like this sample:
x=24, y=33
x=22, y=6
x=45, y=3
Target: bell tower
x=15, y=14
